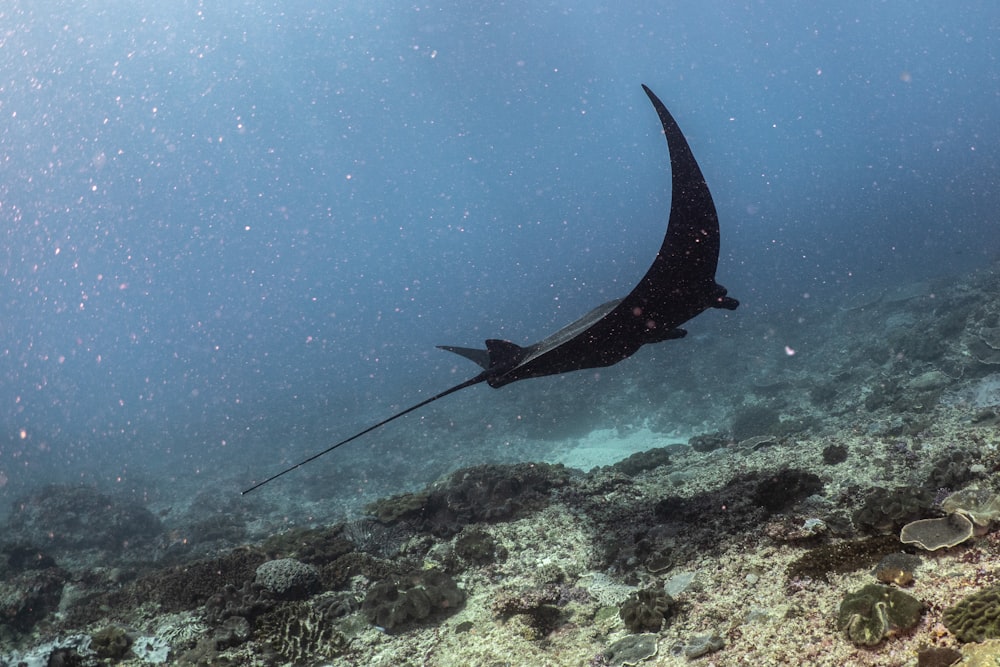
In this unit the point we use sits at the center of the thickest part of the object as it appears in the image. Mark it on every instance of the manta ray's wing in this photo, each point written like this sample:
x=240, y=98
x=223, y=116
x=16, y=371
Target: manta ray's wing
x=679, y=285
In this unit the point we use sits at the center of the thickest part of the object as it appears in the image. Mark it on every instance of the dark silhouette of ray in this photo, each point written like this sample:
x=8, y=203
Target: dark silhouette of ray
x=678, y=286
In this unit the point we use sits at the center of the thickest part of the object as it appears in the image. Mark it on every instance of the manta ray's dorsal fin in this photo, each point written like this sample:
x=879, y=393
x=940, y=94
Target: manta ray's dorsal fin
x=504, y=354
x=480, y=357
x=499, y=354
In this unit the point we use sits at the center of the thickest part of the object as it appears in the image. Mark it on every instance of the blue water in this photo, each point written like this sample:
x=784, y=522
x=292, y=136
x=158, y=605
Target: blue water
x=233, y=232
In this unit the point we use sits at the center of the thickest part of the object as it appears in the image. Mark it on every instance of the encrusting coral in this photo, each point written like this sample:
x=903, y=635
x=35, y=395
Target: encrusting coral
x=940, y=533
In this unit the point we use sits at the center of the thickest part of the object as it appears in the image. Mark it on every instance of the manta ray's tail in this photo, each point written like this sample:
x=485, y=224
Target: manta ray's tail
x=468, y=383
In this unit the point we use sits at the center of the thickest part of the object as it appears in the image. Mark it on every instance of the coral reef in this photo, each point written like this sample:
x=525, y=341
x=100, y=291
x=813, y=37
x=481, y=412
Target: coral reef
x=642, y=461
x=247, y=601
x=474, y=545
x=646, y=610
x=478, y=494
x=288, y=578
x=834, y=454
x=886, y=510
x=110, y=643
x=63, y=517
x=866, y=616
x=27, y=598
x=536, y=605
x=302, y=632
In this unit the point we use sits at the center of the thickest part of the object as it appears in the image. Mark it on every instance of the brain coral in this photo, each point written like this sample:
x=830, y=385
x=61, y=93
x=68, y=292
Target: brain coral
x=288, y=578
x=976, y=617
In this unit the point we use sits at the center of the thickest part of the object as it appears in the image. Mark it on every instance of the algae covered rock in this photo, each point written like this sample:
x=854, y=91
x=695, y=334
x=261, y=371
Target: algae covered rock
x=110, y=643
x=416, y=597
x=868, y=615
x=537, y=607
x=484, y=493
x=976, y=617
x=475, y=545
x=645, y=610
x=819, y=562
x=631, y=650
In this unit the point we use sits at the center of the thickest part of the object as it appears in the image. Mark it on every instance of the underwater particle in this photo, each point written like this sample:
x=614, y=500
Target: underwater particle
x=645, y=610
x=868, y=615
x=939, y=533
x=834, y=454
x=897, y=568
x=631, y=650
x=976, y=617
x=288, y=578
x=937, y=656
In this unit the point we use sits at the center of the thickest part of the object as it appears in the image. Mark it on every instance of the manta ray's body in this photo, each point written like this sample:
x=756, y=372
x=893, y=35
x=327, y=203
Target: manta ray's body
x=678, y=286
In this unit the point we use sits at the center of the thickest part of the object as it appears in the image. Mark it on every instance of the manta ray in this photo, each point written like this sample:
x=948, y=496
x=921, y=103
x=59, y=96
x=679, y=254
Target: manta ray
x=679, y=286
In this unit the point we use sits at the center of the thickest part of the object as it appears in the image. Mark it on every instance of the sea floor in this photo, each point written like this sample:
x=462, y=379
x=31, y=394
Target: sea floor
x=732, y=545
